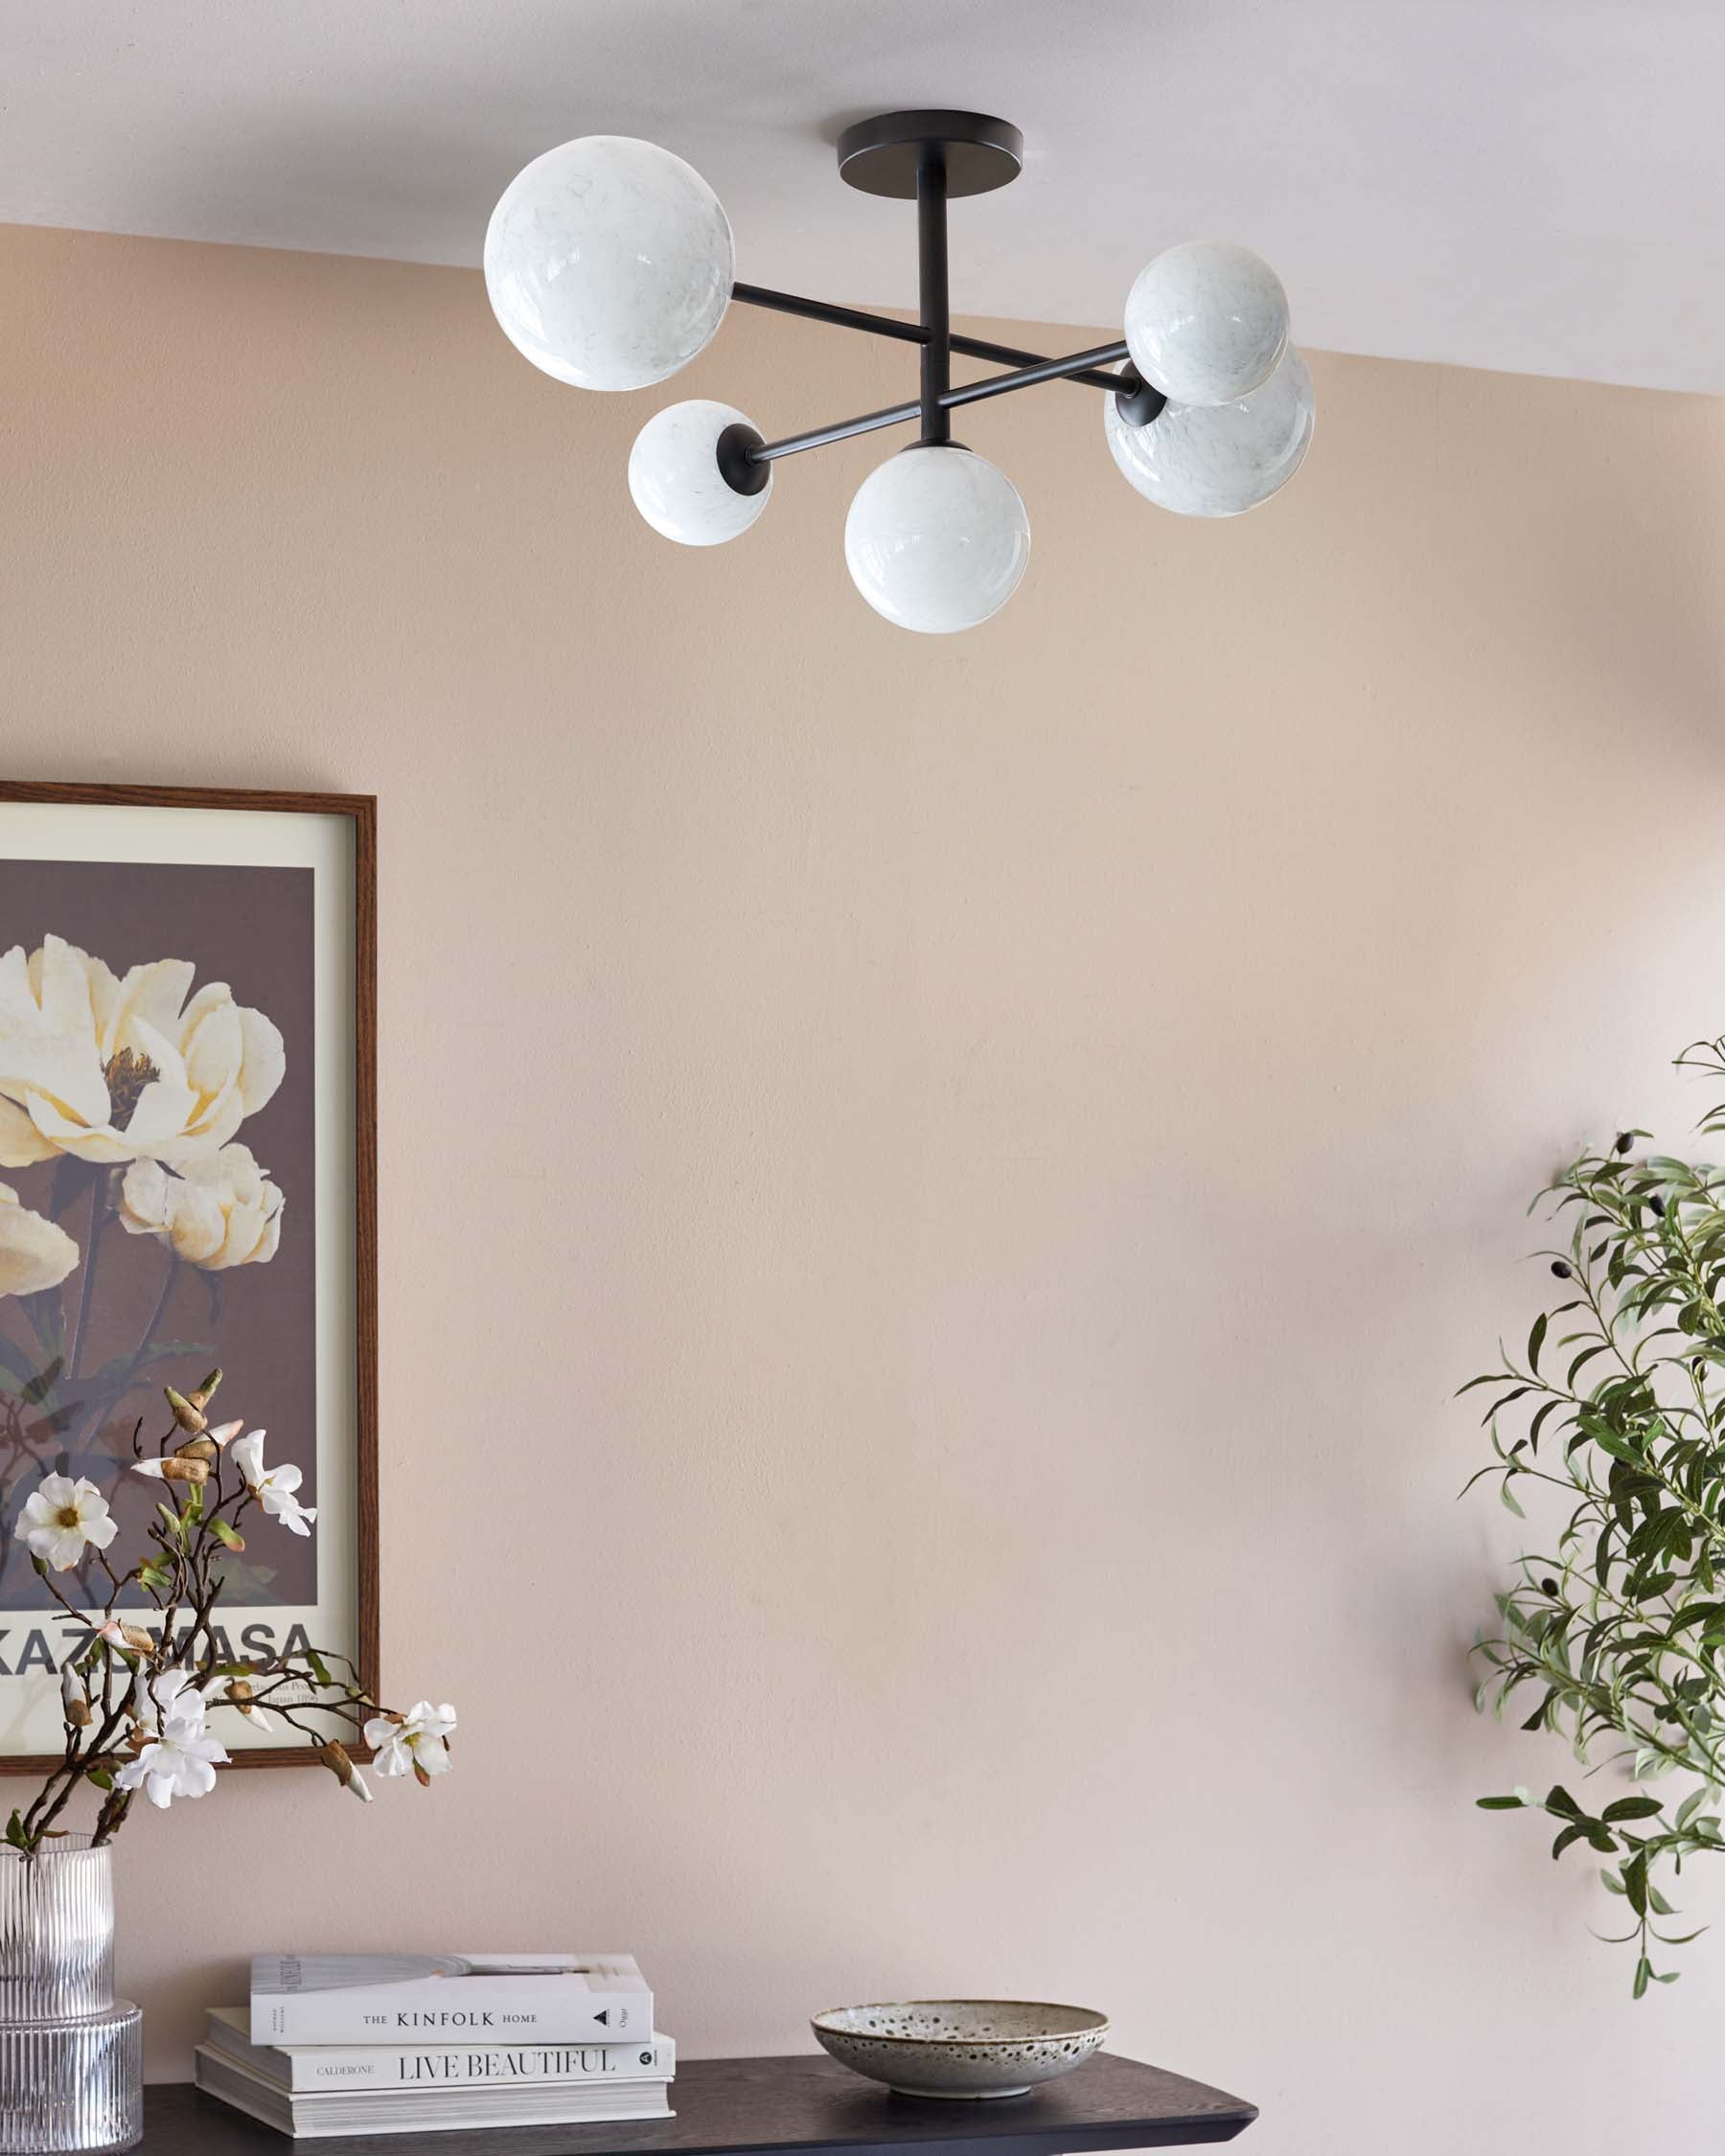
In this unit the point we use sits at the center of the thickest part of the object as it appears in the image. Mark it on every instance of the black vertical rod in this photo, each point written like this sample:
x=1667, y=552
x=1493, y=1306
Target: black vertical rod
x=932, y=279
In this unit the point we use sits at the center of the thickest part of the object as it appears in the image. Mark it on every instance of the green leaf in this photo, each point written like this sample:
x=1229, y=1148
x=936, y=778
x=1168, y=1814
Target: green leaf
x=1499, y=1804
x=1644, y=1969
x=99, y=1776
x=1619, y=1448
x=1509, y=1500
x=14, y=1831
x=1632, y=1808
x=318, y=1669
x=1536, y=1341
x=41, y=1385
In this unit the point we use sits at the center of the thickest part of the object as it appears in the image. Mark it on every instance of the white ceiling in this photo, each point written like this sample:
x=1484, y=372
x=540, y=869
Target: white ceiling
x=1529, y=184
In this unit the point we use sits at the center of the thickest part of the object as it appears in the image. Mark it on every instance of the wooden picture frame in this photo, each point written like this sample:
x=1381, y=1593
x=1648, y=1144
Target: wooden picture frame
x=98, y=838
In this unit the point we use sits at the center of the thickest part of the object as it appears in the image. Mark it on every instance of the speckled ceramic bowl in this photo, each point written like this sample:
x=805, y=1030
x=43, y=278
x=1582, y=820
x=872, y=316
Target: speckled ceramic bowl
x=960, y=2047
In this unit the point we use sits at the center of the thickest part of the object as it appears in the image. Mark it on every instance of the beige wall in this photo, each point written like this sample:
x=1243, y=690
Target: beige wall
x=934, y=1192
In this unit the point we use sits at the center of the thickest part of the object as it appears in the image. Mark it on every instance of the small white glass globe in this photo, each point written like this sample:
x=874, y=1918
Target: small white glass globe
x=609, y=263
x=1207, y=322
x=936, y=539
x=1217, y=460
x=674, y=477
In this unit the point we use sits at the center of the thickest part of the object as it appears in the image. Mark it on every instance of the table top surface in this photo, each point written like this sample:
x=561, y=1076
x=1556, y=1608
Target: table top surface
x=727, y=2105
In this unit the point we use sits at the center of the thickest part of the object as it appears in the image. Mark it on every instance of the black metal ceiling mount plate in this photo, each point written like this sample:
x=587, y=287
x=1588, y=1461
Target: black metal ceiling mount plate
x=880, y=155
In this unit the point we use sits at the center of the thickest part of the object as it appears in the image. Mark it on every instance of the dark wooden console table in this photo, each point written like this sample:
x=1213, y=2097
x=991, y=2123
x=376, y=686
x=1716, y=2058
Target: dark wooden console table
x=729, y=2106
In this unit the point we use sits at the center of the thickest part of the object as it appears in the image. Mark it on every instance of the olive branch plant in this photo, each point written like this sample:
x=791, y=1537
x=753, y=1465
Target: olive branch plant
x=1620, y=1626
x=135, y=1697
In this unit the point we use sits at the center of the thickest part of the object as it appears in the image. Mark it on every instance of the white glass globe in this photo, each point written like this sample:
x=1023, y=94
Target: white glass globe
x=1207, y=322
x=609, y=263
x=1216, y=460
x=936, y=539
x=674, y=477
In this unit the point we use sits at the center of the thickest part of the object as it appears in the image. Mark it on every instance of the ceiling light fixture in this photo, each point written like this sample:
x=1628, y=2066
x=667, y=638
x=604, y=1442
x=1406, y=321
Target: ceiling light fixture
x=609, y=263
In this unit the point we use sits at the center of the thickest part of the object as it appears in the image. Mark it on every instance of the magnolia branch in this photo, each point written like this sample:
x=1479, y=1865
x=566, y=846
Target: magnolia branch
x=136, y=1697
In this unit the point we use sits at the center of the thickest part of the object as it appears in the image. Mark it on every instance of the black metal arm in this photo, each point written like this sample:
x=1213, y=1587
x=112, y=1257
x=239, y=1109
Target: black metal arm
x=934, y=333
x=911, y=333
x=1071, y=368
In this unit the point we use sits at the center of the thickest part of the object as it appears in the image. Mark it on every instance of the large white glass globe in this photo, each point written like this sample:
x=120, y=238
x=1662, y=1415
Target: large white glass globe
x=674, y=477
x=936, y=539
x=1207, y=322
x=609, y=263
x=1216, y=460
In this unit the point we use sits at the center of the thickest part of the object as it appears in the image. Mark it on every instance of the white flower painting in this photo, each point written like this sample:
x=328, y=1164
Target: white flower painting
x=113, y=1069
x=151, y=1137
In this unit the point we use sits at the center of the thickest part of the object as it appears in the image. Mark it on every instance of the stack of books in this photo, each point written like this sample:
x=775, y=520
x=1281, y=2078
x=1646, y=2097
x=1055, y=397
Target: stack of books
x=394, y=2043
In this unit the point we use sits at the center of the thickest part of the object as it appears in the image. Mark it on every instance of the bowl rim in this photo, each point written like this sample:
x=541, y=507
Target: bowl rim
x=1095, y=2022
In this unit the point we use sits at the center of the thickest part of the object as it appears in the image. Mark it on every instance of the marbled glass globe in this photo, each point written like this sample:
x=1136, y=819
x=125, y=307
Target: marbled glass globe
x=1216, y=460
x=674, y=477
x=609, y=263
x=1207, y=322
x=936, y=539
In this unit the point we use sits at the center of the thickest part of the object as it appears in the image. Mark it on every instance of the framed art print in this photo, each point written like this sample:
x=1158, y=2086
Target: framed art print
x=187, y=1181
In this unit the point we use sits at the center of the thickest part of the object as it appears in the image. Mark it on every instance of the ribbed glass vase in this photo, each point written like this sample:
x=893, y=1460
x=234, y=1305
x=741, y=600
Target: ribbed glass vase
x=71, y=2053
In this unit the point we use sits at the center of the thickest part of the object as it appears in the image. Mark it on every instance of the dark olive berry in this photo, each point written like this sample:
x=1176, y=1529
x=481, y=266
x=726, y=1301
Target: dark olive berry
x=1560, y=1269
x=1658, y=1206
x=1549, y=1587
x=1624, y=1141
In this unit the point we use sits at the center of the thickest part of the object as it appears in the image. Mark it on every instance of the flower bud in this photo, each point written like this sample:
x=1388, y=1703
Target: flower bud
x=189, y=1417
x=75, y=1699
x=224, y=1432
x=206, y=1390
x=335, y=1758
x=176, y=1469
x=195, y=1448
x=130, y=1636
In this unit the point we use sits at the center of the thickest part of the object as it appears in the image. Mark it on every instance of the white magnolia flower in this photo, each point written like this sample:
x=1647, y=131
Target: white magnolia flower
x=34, y=1252
x=114, y=1071
x=275, y=1490
x=218, y=1211
x=165, y=1701
x=180, y=1760
x=416, y=1740
x=60, y=1517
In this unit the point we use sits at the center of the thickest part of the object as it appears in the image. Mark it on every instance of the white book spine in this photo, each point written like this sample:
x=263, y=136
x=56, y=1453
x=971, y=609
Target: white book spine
x=449, y=2000
x=309, y=2070
x=494, y=2010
